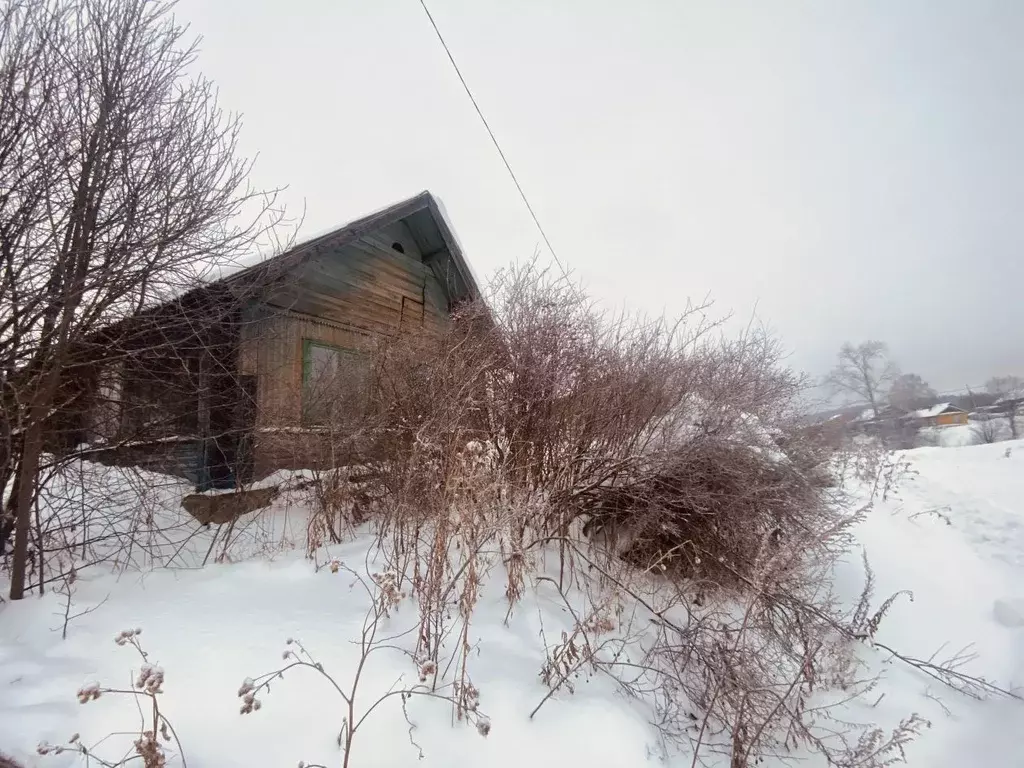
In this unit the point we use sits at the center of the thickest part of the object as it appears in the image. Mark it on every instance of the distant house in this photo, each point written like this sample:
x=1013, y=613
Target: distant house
x=888, y=416
x=1008, y=404
x=939, y=415
x=222, y=385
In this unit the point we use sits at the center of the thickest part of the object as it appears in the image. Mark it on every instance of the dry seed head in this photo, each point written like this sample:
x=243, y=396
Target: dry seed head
x=88, y=693
x=249, y=703
x=426, y=670
x=150, y=679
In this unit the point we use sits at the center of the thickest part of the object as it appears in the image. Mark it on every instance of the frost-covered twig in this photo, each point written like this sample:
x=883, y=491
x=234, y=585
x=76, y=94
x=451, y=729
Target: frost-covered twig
x=66, y=589
x=947, y=671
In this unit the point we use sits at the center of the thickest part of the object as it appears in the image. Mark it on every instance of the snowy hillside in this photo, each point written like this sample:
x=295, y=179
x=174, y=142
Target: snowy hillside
x=952, y=533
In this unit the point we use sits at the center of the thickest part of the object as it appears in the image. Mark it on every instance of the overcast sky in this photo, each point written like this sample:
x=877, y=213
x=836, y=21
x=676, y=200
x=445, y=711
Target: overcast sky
x=852, y=170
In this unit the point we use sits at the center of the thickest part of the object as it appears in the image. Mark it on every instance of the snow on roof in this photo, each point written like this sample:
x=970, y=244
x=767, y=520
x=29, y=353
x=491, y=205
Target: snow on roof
x=935, y=410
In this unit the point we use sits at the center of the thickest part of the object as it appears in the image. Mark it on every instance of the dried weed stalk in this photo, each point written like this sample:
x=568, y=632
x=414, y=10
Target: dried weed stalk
x=384, y=595
x=155, y=730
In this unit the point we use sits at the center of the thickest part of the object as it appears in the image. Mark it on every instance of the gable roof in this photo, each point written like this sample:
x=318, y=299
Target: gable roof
x=936, y=410
x=884, y=412
x=422, y=213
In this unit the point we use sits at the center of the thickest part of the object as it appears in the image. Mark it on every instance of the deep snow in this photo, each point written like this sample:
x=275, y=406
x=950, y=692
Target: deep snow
x=954, y=535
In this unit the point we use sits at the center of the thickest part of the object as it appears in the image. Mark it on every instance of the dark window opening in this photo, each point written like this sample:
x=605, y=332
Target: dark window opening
x=396, y=246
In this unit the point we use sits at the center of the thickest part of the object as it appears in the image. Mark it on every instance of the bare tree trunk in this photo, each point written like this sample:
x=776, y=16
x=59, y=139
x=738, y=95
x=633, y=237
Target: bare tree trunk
x=25, y=483
x=32, y=449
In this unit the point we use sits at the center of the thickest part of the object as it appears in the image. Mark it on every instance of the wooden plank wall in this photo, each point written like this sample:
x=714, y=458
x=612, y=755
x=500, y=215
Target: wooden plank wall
x=346, y=298
x=362, y=285
x=272, y=351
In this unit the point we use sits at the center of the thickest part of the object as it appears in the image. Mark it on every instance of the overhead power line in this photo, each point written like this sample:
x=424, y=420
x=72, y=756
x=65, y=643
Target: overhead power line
x=490, y=133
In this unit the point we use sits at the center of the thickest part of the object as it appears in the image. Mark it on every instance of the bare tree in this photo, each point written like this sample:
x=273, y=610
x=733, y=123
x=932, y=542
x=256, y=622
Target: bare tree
x=119, y=188
x=989, y=429
x=864, y=371
x=910, y=391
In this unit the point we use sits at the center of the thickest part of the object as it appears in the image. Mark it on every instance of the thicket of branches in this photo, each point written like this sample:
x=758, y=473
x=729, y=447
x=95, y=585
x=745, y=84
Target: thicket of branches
x=659, y=462
x=120, y=188
x=637, y=430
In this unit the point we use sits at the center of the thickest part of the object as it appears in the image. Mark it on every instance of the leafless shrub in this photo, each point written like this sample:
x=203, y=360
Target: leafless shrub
x=988, y=430
x=514, y=430
x=339, y=503
x=567, y=406
x=890, y=473
x=66, y=590
x=706, y=511
x=856, y=459
x=735, y=674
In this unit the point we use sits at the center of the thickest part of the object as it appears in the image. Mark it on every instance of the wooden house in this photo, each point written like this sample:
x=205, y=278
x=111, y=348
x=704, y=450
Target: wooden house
x=230, y=392
x=939, y=415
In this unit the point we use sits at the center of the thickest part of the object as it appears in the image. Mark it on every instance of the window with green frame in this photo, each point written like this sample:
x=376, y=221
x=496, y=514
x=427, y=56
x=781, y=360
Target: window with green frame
x=334, y=383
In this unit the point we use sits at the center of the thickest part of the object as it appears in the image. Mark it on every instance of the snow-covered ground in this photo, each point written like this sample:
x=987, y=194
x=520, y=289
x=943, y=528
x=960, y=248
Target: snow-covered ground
x=953, y=534
x=978, y=431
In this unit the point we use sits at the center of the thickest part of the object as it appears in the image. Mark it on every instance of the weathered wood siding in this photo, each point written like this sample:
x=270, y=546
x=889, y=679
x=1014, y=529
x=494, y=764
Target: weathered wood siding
x=272, y=351
x=345, y=297
x=362, y=285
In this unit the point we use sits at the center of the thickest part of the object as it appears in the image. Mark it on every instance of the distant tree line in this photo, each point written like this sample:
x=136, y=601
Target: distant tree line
x=867, y=372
